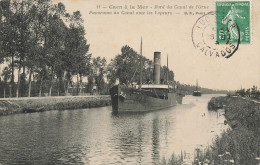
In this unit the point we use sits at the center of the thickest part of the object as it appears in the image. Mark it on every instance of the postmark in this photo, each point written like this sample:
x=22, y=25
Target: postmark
x=204, y=38
x=230, y=14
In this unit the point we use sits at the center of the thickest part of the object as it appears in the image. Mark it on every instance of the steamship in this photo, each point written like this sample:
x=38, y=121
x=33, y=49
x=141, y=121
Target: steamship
x=145, y=97
x=196, y=92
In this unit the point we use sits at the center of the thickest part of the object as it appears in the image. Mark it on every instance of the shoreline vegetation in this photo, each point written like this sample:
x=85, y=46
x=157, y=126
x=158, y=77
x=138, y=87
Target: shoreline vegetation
x=39, y=104
x=240, y=144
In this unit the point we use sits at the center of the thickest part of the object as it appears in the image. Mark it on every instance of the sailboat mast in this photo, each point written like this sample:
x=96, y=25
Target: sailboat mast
x=141, y=51
x=197, y=85
x=167, y=73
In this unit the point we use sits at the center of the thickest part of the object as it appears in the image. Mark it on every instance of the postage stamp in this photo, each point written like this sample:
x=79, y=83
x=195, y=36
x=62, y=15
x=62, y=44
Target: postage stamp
x=233, y=22
x=204, y=38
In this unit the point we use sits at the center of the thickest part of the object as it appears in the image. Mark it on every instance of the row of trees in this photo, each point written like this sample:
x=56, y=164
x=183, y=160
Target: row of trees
x=124, y=68
x=43, y=47
x=41, y=42
x=250, y=92
x=188, y=89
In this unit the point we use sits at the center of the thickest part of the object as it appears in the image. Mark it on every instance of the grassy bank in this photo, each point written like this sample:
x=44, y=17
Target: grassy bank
x=239, y=112
x=239, y=145
x=39, y=104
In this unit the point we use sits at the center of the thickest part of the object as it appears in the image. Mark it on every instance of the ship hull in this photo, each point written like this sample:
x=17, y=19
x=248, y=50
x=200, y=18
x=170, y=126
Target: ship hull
x=196, y=93
x=132, y=100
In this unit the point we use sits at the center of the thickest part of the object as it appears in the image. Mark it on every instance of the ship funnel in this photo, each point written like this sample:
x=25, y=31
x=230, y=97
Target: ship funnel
x=157, y=67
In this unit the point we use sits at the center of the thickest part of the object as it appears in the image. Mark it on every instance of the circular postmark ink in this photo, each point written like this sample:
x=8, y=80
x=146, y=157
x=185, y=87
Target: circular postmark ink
x=204, y=37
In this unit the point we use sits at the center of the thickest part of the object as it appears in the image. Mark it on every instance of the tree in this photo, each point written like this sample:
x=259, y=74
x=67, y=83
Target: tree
x=99, y=71
x=22, y=21
x=254, y=92
x=6, y=74
x=163, y=75
x=126, y=68
x=76, y=60
x=126, y=65
x=54, y=42
x=7, y=38
x=35, y=57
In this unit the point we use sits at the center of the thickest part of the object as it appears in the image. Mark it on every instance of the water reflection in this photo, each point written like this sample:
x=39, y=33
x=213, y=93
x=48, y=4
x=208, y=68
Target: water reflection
x=155, y=141
x=96, y=136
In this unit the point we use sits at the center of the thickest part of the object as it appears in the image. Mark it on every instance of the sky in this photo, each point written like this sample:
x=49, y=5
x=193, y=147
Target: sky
x=170, y=34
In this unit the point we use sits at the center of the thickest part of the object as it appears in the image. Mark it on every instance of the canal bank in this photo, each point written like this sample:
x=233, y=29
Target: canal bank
x=238, y=145
x=239, y=111
x=40, y=104
x=241, y=143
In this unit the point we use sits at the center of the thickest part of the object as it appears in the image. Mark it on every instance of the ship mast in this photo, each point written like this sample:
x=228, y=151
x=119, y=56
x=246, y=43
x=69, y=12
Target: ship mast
x=167, y=73
x=141, y=51
x=197, y=85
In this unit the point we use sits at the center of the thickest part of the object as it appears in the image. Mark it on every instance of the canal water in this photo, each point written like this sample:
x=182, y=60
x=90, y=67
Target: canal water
x=96, y=136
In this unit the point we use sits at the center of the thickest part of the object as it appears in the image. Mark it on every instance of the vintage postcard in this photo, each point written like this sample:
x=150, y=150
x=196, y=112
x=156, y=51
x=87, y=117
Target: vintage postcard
x=130, y=82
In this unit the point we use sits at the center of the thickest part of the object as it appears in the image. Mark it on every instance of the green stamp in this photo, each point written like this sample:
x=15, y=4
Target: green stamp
x=233, y=22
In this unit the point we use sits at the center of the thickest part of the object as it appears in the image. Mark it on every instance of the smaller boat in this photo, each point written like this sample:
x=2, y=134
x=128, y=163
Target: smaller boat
x=196, y=92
